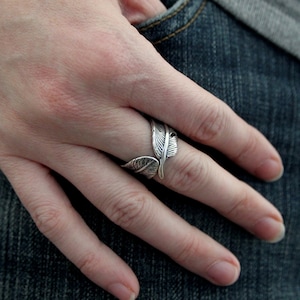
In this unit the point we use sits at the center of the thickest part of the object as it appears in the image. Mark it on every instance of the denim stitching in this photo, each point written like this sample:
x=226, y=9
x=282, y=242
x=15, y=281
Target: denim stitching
x=198, y=12
x=181, y=7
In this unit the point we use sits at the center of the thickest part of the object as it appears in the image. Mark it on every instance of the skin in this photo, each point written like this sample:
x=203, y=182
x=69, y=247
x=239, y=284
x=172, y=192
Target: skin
x=74, y=77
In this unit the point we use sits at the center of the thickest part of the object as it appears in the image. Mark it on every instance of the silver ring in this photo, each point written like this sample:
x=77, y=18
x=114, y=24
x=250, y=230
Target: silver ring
x=164, y=144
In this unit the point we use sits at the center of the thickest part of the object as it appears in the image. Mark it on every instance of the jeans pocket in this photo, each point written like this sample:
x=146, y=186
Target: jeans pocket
x=175, y=19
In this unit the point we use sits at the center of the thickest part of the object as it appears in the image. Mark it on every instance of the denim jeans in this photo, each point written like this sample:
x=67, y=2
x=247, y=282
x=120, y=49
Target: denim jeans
x=262, y=84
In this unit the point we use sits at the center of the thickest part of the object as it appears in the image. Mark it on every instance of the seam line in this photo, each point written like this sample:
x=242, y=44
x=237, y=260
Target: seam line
x=198, y=12
x=181, y=7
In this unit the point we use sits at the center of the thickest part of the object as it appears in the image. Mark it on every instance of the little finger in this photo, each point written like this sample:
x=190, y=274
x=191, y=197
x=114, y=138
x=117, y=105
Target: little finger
x=58, y=221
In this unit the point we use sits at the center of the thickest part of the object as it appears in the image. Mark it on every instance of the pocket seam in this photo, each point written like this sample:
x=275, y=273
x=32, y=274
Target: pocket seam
x=188, y=24
x=174, y=13
x=181, y=7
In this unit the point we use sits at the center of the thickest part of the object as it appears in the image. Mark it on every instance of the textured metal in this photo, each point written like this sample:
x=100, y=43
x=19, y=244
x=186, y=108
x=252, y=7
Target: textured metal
x=146, y=165
x=164, y=144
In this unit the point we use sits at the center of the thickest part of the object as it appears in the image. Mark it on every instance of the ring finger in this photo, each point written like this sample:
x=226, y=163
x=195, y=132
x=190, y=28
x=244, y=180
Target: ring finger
x=191, y=173
x=130, y=205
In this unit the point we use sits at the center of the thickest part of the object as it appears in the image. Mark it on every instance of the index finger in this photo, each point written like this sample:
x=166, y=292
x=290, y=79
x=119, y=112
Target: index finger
x=176, y=100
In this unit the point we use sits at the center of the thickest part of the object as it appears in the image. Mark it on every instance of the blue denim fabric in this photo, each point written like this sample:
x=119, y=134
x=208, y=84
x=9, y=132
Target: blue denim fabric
x=261, y=83
x=277, y=20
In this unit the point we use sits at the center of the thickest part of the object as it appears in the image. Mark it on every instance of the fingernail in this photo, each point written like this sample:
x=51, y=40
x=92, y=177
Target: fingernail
x=132, y=297
x=270, y=230
x=270, y=170
x=121, y=292
x=223, y=273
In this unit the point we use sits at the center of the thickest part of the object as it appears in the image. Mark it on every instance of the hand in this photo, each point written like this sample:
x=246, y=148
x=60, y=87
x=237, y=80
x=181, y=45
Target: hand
x=74, y=81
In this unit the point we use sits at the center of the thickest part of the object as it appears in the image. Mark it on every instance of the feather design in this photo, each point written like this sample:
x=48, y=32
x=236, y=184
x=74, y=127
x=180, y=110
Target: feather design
x=164, y=143
x=172, y=147
x=158, y=138
x=159, y=133
x=145, y=165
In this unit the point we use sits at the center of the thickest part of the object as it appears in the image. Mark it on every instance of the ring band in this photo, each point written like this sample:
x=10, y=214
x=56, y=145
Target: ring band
x=164, y=144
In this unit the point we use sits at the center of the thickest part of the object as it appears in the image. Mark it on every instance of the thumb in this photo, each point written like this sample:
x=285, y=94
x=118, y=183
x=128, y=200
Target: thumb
x=137, y=11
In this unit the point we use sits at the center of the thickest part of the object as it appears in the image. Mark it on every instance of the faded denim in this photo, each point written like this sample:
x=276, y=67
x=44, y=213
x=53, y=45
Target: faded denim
x=277, y=20
x=262, y=84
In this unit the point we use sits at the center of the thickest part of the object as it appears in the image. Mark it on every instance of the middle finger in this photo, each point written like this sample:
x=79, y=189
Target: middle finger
x=191, y=173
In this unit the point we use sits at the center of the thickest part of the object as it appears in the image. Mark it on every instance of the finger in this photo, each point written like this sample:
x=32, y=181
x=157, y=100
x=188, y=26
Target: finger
x=174, y=99
x=57, y=220
x=191, y=173
x=130, y=205
x=197, y=176
x=141, y=10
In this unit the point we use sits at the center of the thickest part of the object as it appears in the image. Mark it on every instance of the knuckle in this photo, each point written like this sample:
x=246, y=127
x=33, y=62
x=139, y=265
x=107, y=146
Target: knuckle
x=211, y=125
x=59, y=101
x=129, y=211
x=57, y=96
x=88, y=264
x=239, y=206
x=248, y=148
x=190, y=175
x=116, y=62
x=49, y=220
x=188, y=249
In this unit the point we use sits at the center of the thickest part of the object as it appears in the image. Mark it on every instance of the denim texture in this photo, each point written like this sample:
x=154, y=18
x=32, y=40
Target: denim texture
x=277, y=20
x=261, y=83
